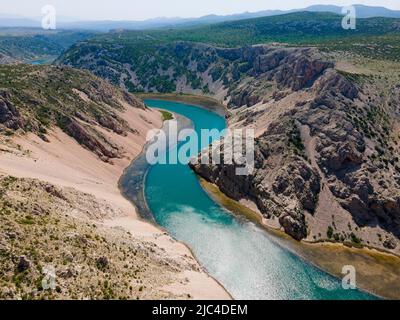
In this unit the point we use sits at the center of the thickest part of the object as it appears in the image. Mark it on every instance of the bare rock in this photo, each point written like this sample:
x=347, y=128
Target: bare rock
x=91, y=140
x=390, y=244
x=293, y=227
x=9, y=115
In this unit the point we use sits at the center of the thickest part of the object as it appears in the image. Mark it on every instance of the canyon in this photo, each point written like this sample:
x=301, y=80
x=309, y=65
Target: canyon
x=327, y=165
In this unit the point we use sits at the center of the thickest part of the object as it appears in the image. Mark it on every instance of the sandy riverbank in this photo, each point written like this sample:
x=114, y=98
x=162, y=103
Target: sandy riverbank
x=377, y=272
x=132, y=181
x=63, y=162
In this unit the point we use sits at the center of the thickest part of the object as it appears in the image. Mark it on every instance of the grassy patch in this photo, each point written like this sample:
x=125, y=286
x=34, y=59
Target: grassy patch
x=166, y=115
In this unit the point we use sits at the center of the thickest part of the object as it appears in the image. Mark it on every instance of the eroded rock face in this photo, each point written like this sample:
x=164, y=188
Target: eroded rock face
x=282, y=185
x=296, y=69
x=333, y=83
x=204, y=69
x=75, y=101
x=294, y=227
x=92, y=141
x=353, y=153
x=9, y=115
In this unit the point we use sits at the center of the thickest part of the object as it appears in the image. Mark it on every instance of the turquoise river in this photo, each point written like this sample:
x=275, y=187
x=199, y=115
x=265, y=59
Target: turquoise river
x=248, y=261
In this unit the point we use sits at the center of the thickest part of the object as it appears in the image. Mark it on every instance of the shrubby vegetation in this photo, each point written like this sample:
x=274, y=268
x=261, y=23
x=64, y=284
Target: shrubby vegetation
x=32, y=44
x=155, y=60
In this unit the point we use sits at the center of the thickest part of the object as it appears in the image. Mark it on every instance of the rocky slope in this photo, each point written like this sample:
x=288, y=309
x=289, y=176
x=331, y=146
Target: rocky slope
x=26, y=44
x=327, y=156
x=66, y=137
x=327, y=164
x=6, y=59
x=54, y=237
x=35, y=99
x=188, y=68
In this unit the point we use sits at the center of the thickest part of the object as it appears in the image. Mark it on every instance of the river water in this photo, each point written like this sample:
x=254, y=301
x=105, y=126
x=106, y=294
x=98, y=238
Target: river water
x=248, y=261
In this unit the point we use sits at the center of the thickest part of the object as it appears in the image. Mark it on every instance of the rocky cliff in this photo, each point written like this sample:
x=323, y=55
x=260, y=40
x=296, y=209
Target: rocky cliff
x=327, y=164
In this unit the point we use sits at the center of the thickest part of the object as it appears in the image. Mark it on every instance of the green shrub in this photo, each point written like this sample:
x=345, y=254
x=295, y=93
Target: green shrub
x=329, y=233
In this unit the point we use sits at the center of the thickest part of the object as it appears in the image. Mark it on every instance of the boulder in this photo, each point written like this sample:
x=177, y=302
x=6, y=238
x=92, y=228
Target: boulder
x=293, y=227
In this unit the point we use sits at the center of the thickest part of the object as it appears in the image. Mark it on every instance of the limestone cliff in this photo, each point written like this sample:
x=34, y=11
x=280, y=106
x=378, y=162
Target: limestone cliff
x=324, y=138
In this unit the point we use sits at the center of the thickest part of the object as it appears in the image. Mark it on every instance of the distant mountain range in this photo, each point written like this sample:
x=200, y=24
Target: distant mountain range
x=107, y=25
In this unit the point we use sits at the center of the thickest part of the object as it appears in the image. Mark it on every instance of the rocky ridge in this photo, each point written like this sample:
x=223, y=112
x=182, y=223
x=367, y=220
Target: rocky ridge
x=338, y=141
x=37, y=98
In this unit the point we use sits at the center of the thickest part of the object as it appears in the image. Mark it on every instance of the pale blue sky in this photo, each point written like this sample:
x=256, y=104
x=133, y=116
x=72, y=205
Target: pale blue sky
x=144, y=9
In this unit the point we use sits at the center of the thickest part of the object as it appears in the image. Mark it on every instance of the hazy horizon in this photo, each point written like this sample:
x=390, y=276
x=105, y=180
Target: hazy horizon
x=135, y=10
